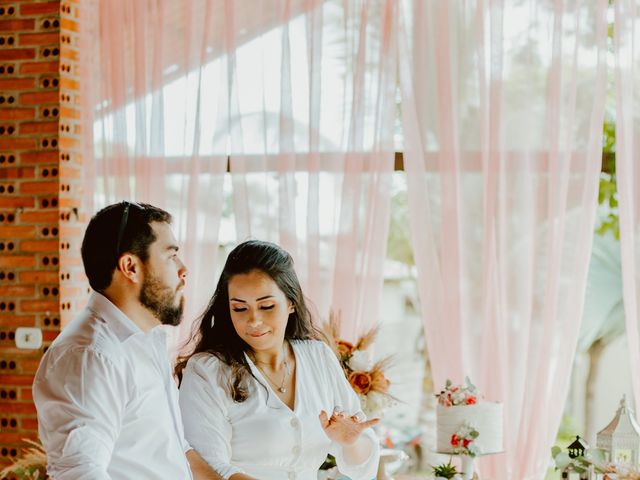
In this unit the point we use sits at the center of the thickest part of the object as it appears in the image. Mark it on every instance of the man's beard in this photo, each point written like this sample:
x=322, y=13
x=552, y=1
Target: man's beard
x=160, y=300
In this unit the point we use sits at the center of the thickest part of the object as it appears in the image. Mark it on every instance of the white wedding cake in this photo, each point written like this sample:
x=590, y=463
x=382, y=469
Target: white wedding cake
x=466, y=423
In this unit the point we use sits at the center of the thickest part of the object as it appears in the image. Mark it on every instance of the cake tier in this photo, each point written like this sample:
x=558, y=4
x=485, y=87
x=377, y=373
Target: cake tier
x=484, y=417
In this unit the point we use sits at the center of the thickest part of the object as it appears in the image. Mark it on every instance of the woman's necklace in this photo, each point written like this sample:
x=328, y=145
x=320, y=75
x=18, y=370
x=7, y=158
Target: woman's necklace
x=281, y=388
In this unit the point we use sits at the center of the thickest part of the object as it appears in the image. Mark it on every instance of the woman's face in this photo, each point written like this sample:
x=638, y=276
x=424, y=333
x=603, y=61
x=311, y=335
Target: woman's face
x=259, y=310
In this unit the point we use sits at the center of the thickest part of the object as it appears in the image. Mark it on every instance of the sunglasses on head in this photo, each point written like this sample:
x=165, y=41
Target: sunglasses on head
x=123, y=222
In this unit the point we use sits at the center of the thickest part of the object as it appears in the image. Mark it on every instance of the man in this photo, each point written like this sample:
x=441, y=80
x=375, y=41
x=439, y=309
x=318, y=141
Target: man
x=107, y=404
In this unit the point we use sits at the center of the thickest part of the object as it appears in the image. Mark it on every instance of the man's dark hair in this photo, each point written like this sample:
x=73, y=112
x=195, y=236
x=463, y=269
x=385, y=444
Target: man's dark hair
x=114, y=230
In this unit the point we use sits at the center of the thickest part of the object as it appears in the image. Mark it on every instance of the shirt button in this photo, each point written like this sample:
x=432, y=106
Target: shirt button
x=292, y=475
x=296, y=450
x=294, y=422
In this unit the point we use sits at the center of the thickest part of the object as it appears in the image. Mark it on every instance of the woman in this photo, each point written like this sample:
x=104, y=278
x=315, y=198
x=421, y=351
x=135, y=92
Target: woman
x=260, y=398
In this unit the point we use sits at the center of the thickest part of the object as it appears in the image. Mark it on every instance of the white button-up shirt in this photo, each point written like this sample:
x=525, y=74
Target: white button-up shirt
x=261, y=436
x=107, y=404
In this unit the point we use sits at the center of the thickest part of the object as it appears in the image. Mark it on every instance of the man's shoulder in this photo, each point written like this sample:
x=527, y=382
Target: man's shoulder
x=87, y=334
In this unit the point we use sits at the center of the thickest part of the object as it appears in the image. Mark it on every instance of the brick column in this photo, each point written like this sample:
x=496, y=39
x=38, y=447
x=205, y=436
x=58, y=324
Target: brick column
x=41, y=282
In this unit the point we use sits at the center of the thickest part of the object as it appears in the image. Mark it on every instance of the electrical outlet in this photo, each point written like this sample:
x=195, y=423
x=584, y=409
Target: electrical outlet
x=28, y=338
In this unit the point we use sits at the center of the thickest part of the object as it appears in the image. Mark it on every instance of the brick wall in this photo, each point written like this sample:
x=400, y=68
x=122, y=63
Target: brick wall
x=41, y=282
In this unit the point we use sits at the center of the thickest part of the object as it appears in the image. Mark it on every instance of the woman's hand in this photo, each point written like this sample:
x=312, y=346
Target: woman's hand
x=343, y=429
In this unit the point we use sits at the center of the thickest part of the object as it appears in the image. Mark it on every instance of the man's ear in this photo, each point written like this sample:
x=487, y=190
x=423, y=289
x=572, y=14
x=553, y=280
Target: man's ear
x=130, y=267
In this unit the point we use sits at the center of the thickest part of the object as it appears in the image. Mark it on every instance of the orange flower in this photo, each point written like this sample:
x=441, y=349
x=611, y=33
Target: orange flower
x=361, y=382
x=379, y=382
x=345, y=348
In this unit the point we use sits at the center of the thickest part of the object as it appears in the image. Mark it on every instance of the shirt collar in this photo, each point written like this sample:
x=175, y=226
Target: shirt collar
x=122, y=326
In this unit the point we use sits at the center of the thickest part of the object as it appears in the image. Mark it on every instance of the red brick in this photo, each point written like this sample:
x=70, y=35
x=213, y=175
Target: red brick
x=17, y=290
x=39, y=306
x=17, y=437
x=17, y=261
x=17, y=83
x=38, y=98
x=38, y=127
x=31, y=158
x=39, y=246
x=17, y=232
x=16, y=202
x=16, y=379
x=68, y=173
x=69, y=54
x=39, y=8
x=39, y=38
x=17, y=24
x=73, y=261
x=39, y=187
x=18, y=144
x=68, y=143
x=26, y=394
x=29, y=366
x=38, y=277
x=29, y=424
x=20, y=408
x=39, y=217
x=17, y=321
x=67, y=24
x=66, y=112
x=16, y=173
x=50, y=335
x=17, y=54
x=40, y=67
x=69, y=83
x=17, y=113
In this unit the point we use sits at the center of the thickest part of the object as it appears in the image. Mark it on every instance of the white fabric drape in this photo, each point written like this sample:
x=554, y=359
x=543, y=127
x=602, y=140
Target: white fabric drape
x=627, y=49
x=502, y=112
x=311, y=138
x=153, y=121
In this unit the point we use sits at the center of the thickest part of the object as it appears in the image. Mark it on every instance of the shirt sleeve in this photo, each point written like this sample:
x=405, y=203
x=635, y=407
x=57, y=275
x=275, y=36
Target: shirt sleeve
x=203, y=404
x=80, y=396
x=349, y=401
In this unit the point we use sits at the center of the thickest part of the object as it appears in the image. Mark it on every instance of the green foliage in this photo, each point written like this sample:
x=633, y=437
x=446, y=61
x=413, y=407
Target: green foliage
x=446, y=470
x=593, y=457
x=399, y=244
x=329, y=462
x=608, y=191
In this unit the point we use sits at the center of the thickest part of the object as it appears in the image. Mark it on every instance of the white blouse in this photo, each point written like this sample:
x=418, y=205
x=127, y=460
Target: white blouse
x=261, y=436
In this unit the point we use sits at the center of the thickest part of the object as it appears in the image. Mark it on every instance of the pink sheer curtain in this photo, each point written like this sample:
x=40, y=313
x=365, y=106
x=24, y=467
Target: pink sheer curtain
x=503, y=110
x=312, y=104
x=627, y=48
x=151, y=121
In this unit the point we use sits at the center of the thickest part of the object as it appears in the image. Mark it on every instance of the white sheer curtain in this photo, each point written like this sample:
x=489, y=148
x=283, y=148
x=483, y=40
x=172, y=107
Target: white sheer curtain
x=503, y=111
x=312, y=108
x=153, y=121
x=300, y=92
x=627, y=48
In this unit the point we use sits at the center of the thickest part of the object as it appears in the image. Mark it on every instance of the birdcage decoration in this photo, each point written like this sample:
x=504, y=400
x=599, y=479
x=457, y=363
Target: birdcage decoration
x=620, y=440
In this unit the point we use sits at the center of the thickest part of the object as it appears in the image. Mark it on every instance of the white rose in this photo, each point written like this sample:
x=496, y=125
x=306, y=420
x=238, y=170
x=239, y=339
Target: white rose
x=360, y=360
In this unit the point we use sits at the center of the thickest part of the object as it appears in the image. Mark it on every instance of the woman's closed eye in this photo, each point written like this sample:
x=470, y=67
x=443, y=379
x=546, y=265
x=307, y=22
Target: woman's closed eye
x=239, y=309
x=266, y=307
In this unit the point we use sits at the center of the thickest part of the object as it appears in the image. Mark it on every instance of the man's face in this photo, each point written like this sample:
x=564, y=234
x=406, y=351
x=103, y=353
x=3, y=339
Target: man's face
x=164, y=277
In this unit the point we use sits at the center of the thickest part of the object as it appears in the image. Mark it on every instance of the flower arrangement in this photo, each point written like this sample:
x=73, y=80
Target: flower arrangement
x=453, y=395
x=463, y=441
x=365, y=377
x=31, y=466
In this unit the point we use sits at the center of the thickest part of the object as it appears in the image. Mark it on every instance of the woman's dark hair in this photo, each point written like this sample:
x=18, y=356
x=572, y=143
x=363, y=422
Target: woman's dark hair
x=118, y=228
x=216, y=334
